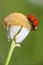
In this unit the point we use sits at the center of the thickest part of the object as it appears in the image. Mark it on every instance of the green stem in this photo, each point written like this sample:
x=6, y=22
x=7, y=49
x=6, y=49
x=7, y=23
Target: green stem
x=13, y=45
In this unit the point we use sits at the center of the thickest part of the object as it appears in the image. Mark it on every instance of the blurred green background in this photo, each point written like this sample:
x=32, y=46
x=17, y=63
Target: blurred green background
x=31, y=51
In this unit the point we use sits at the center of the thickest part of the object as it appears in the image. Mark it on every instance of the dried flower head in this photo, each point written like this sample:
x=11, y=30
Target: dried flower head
x=17, y=26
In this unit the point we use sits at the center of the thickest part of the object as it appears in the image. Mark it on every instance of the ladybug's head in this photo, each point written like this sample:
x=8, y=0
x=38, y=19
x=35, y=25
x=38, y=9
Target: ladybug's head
x=33, y=21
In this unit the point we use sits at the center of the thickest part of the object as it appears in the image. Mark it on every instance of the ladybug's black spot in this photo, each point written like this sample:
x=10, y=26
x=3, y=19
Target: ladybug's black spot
x=35, y=19
x=31, y=16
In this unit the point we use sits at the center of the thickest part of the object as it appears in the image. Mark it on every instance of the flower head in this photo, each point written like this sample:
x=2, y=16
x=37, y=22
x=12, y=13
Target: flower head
x=17, y=26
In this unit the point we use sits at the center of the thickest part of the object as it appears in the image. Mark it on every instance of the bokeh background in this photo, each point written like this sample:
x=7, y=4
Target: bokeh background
x=31, y=51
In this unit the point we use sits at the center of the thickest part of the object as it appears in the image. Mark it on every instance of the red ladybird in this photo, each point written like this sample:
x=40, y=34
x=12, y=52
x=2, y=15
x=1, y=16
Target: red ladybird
x=33, y=20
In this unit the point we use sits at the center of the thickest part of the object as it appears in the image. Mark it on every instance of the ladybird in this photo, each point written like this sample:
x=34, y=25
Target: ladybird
x=33, y=20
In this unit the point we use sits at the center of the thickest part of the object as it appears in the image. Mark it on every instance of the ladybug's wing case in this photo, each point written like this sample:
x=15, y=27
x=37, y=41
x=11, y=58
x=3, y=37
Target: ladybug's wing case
x=35, y=22
x=31, y=17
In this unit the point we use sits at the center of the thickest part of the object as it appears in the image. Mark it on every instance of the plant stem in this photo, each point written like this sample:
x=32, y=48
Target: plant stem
x=13, y=45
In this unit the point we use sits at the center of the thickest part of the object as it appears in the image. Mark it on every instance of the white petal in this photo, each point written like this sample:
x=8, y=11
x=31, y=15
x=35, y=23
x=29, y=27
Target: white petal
x=12, y=31
x=22, y=35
